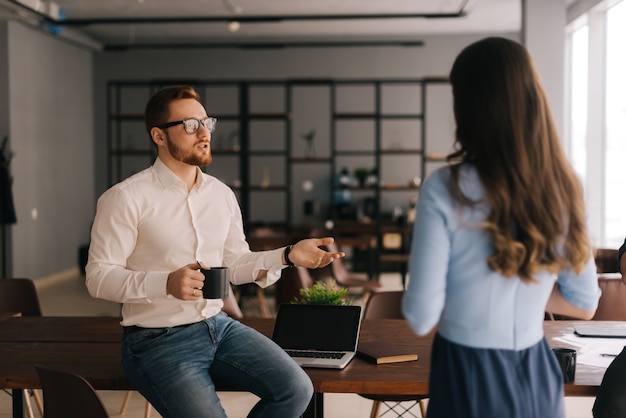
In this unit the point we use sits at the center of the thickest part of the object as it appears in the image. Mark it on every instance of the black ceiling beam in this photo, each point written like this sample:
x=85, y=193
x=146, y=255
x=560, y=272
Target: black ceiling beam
x=265, y=45
x=251, y=19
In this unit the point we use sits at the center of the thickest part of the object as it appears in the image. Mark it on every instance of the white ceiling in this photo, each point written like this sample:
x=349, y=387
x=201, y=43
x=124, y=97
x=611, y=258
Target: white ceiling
x=304, y=21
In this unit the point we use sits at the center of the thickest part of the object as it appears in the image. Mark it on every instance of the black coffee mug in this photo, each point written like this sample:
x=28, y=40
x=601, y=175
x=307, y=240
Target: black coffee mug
x=216, y=283
x=567, y=361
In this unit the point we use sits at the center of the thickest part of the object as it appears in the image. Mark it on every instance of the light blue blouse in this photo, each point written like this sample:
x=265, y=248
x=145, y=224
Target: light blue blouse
x=452, y=287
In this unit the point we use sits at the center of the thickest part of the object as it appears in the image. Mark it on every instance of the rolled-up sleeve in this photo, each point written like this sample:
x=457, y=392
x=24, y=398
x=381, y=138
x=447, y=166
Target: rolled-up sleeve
x=581, y=290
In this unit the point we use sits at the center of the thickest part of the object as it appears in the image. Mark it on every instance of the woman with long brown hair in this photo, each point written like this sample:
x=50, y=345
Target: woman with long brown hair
x=499, y=238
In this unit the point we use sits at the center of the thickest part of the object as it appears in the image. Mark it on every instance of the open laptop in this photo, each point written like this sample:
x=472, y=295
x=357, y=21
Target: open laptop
x=323, y=336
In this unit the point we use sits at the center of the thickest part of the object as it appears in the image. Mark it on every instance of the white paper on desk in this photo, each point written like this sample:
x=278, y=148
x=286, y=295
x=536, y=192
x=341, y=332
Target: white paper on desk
x=595, y=358
x=590, y=350
x=572, y=340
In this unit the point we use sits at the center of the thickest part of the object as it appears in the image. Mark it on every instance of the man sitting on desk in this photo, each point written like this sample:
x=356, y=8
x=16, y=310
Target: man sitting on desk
x=611, y=399
x=150, y=235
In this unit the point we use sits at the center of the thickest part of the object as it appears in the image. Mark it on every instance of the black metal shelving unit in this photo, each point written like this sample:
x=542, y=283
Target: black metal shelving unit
x=126, y=100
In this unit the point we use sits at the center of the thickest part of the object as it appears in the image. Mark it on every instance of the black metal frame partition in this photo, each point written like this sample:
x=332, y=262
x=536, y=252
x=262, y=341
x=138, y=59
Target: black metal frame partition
x=244, y=115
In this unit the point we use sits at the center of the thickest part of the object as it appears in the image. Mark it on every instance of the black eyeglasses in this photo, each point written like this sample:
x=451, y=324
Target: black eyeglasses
x=192, y=125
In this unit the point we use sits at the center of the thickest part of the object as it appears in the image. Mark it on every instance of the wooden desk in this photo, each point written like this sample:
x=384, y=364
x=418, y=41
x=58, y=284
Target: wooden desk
x=90, y=346
x=588, y=378
x=7, y=315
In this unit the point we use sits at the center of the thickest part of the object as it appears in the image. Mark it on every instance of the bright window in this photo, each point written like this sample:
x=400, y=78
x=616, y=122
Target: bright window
x=615, y=197
x=597, y=116
x=578, y=103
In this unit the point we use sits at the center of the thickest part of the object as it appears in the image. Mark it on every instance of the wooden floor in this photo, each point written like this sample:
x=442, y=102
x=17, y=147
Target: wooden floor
x=70, y=298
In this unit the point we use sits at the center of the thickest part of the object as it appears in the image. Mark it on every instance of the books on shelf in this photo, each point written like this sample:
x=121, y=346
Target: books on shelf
x=381, y=352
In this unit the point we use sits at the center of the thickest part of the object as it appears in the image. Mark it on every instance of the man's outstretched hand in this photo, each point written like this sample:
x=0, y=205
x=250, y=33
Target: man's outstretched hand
x=307, y=253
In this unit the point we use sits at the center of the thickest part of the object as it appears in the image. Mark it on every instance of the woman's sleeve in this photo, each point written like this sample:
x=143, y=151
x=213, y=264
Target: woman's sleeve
x=581, y=290
x=424, y=297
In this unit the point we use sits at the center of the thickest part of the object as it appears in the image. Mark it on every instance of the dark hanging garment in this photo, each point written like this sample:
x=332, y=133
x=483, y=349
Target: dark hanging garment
x=7, y=209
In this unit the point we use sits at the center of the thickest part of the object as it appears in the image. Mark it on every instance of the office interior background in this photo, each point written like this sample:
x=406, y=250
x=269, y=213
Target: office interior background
x=54, y=87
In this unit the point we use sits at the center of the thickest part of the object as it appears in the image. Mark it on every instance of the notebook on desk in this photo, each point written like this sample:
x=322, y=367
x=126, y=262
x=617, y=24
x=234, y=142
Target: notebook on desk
x=597, y=331
x=323, y=336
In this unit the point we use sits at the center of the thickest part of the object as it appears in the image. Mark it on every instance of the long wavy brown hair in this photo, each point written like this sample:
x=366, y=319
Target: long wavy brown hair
x=504, y=128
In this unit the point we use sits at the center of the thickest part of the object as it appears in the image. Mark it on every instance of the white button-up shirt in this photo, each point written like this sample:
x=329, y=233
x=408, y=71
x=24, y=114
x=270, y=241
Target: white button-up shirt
x=150, y=225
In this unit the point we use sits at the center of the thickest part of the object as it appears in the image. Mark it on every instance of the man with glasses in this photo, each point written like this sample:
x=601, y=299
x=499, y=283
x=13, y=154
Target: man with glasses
x=151, y=234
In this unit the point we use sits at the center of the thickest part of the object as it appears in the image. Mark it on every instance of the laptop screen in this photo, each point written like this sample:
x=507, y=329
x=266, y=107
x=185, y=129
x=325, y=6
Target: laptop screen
x=317, y=327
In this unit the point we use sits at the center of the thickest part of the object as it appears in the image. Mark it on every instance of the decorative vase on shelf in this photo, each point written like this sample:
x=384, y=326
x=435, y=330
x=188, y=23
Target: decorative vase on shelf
x=309, y=151
x=372, y=178
x=265, y=183
x=344, y=180
x=232, y=141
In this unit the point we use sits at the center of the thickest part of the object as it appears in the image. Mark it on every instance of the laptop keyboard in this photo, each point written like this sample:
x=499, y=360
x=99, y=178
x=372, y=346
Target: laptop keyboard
x=316, y=354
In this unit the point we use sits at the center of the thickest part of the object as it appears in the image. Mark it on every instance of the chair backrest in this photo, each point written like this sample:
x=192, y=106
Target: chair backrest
x=264, y=232
x=231, y=307
x=338, y=267
x=606, y=260
x=384, y=305
x=292, y=280
x=612, y=303
x=68, y=395
x=19, y=295
x=319, y=232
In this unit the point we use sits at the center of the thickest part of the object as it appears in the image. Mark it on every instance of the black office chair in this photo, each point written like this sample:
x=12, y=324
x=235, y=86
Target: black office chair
x=68, y=395
x=291, y=282
x=347, y=279
x=607, y=260
x=612, y=303
x=388, y=305
x=231, y=306
x=275, y=238
x=19, y=296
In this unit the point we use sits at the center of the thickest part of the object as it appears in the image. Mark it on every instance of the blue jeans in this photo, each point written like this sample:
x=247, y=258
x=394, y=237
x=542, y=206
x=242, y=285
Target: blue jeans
x=175, y=369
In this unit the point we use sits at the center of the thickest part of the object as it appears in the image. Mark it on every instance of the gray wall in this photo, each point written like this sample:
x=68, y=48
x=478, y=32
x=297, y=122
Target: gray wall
x=544, y=37
x=5, y=231
x=50, y=125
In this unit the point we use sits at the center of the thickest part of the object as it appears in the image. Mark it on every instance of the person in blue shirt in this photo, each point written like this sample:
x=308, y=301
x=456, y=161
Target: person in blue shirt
x=499, y=239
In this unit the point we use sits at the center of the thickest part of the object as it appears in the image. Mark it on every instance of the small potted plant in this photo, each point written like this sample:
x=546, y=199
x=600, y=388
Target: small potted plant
x=361, y=174
x=323, y=294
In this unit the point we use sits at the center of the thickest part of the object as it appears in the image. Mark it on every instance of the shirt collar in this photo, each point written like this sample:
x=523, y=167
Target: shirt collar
x=168, y=178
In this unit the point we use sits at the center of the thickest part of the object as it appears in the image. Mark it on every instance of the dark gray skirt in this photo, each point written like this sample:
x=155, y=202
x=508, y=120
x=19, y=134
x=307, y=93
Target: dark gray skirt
x=484, y=383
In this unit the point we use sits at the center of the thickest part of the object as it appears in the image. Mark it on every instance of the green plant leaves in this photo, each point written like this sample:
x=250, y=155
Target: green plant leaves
x=322, y=294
